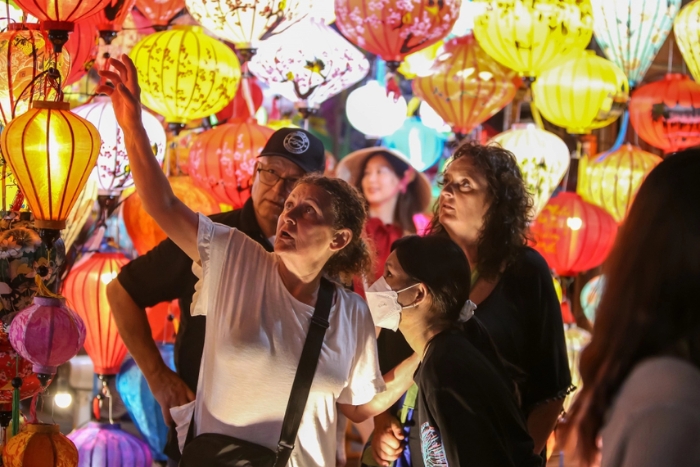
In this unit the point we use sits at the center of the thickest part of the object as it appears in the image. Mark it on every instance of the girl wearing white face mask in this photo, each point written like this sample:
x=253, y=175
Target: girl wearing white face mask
x=466, y=409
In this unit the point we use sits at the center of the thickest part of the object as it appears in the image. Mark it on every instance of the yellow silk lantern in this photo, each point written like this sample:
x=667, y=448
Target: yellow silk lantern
x=584, y=93
x=686, y=28
x=40, y=445
x=613, y=182
x=51, y=152
x=531, y=36
x=185, y=74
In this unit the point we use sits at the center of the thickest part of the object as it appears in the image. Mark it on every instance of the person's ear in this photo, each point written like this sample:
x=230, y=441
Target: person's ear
x=422, y=295
x=341, y=239
x=408, y=177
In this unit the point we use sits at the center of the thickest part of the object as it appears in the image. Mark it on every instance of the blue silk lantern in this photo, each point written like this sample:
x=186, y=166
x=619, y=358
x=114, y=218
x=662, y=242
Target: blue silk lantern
x=422, y=145
x=590, y=296
x=141, y=405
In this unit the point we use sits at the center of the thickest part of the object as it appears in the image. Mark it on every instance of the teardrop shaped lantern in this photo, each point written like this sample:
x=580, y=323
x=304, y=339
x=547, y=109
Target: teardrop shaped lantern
x=40, y=445
x=111, y=18
x=160, y=12
x=686, y=29
x=82, y=49
x=107, y=445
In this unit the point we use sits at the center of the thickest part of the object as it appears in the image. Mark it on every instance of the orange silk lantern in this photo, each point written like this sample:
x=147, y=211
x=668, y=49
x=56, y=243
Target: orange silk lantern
x=393, y=29
x=143, y=230
x=164, y=319
x=40, y=445
x=82, y=49
x=111, y=18
x=160, y=12
x=466, y=86
x=222, y=160
x=666, y=113
x=86, y=289
x=573, y=235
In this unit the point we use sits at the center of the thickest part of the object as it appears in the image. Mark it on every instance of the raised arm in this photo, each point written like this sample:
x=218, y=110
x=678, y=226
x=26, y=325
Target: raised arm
x=177, y=220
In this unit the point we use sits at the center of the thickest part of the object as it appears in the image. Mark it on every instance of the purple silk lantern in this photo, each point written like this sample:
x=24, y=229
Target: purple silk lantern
x=107, y=445
x=47, y=333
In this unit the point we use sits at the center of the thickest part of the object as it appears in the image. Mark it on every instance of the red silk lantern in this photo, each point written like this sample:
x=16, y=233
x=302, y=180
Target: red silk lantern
x=465, y=86
x=143, y=230
x=393, y=29
x=111, y=18
x=666, y=113
x=222, y=159
x=40, y=445
x=8, y=371
x=82, y=49
x=573, y=235
x=237, y=110
x=160, y=12
x=86, y=289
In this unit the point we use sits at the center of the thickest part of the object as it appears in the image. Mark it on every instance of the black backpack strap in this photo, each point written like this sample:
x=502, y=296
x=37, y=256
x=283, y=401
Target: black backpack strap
x=305, y=372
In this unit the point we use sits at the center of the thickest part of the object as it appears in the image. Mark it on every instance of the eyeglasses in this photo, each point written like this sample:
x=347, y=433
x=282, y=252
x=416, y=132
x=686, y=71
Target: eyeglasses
x=270, y=177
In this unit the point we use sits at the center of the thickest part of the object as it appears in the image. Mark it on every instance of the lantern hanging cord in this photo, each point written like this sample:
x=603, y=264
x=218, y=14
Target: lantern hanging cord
x=620, y=137
x=53, y=81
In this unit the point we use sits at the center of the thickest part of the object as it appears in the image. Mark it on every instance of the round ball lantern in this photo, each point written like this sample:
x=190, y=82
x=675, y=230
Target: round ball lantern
x=143, y=230
x=532, y=36
x=40, y=445
x=542, y=156
x=185, y=74
x=85, y=288
x=112, y=169
x=666, y=113
x=422, y=145
x=394, y=29
x=111, y=18
x=107, y=445
x=582, y=94
x=222, y=160
x=82, y=49
x=573, y=235
x=160, y=12
x=612, y=183
x=631, y=32
x=686, y=29
x=373, y=112
x=465, y=86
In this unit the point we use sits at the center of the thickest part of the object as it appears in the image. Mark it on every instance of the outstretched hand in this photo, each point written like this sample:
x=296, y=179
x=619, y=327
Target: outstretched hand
x=126, y=93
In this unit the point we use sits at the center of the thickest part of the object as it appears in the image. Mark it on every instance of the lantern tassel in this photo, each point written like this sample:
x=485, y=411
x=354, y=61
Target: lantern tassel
x=620, y=137
x=43, y=290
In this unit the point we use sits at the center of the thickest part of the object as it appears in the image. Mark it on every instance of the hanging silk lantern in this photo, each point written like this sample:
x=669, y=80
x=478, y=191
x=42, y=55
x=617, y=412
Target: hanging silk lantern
x=465, y=86
x=143, y=230
x=82, y=49
x=143, y=408
x=12, y=365
x=687, y=34
x=308, y=63
x=112, y=169
x=222, y=160
x=40, y=445
x=419, y=63
x=51, y=152
x=130, y=35
x=431, y=119
x=160, y=12
x=185, y=74
x=422, y=145
x=394, y=29
x=543, y=159
x=631, y=32
x=164, y=319
x=591, y=294
x=111, y=18
x=532, y=36
x=573, y=235
x=584, y=93
x=81, y=212
x=666, y=113
x=26, y=53
x=107, y=445
x=373, y=112
x=85, y=288
x=612, y=183
x=237, y=110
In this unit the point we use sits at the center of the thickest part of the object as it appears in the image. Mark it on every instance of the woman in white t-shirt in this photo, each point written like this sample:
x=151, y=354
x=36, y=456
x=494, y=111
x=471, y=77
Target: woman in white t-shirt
x=259, y=305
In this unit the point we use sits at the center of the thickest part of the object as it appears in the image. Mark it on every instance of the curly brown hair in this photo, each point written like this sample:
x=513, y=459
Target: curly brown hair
x=505, y=230
x=349, y=212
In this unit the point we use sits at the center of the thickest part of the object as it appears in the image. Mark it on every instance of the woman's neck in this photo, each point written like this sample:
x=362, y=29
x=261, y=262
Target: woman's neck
x=302, y=284
x=384, y=211
x=419, y=333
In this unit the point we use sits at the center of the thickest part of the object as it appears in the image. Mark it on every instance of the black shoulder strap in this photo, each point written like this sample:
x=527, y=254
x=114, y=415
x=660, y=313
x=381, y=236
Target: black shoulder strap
x=305, y=372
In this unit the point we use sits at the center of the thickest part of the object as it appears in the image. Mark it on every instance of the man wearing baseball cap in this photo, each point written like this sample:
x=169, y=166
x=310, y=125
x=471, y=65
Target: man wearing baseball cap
x=165, y=273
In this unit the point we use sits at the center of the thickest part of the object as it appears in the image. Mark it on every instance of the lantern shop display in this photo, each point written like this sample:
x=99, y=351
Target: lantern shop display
x=542, y=156
x=394, y=29
x=40, y=445
x=12, y=365
x=143, y=230
x=107, y=445
x=185, y=74
x=222, y=160
x=666, y=113
x=686, y=28
x=631, y=32
x=465, y=86
x=573, y=235
x=612, y=182
x=111, y=18
x=82, y=47
x=160, y=12
x=308, y=63
x=582, y=94
x=422, y=145
x=112, y=170
x=532, y=36
x=373, y=111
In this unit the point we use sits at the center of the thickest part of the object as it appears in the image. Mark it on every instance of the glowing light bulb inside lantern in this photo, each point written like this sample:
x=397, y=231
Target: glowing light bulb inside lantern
x=431, y=119
x=108, y=277
x=373, y=112
x=574, y=223
x=63, y=400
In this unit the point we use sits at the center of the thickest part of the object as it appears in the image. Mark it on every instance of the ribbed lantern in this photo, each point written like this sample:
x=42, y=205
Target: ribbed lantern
x=465, y=86
x=107, y=445
x=542, y=156
x=531, y=36
x=308, y=63
x=86, y=289
x=573, y=235
x=40, y=445
x=582, y=94
x=160, y=12
x=51, y=152
x=631, y=32
x=370, y=110
x=686, y=29
x=111, y=18
x=82, y=49
x=393, y=29
x=612, y=183
x=185, y=74
x=112, y=169
x=666, y=113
